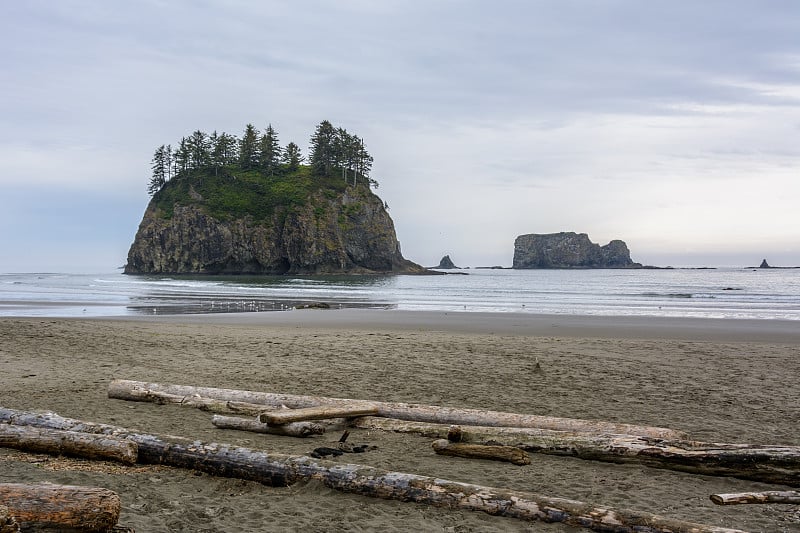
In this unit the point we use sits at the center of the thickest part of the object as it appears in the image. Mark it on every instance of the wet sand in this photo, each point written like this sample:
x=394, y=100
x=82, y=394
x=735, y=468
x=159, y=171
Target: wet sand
x=724, y=381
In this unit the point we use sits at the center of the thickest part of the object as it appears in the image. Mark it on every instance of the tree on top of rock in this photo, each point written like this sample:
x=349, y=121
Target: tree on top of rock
x=269, y=151
x=159, y=164
x=292, y=157
x=248, y=148
x=335, y=151
x=323, y=149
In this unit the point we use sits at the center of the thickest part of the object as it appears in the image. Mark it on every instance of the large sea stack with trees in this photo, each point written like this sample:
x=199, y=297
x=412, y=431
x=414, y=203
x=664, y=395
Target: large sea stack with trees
x=227, y=205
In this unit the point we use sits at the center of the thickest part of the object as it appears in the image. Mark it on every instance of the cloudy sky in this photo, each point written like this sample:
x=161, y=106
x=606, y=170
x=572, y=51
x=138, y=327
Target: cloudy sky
x=673, y=125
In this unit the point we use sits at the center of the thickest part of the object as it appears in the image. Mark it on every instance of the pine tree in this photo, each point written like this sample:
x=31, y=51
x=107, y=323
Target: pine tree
x=292, y=157
x=364, y=163
x=158, y=165
x=269, y=151
x=248, y=148
x=223, y=150
x=169, y=159
x=323, y=149
x=199, y=152
x=182, y=156
x=343, y=151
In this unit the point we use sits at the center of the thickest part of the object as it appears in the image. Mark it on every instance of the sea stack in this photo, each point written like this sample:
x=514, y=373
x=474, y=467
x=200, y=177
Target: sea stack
x=329, y=232
x=224, y=205
x=446, y=263
x=569, y=250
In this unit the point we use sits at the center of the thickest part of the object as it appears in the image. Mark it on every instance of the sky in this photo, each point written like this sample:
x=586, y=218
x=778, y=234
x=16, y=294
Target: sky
x=672, y=125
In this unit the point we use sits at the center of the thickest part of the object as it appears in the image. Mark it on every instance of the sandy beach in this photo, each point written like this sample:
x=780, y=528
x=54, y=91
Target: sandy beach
x=718, y=380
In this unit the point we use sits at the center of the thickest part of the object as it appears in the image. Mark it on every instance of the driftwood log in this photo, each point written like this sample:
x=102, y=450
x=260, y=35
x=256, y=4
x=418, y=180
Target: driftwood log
x=57, y=442
x=64, y=508
x=770, y=464
x=770, y=496
x=508, y=454
x=133, y=390
x=278, y=469
x=294, y=429
x=211, y=458
x=211, y=405
x=8, y=523
x=321, y=412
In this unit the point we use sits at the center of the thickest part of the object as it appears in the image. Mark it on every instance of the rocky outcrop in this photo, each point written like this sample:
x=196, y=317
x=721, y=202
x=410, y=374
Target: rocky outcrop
x=569, y=250
x=764, y=264
x=345, y=232
x=446, y=263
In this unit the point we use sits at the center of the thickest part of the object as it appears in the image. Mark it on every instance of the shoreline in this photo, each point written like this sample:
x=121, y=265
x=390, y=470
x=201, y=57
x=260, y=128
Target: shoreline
x=522, y=324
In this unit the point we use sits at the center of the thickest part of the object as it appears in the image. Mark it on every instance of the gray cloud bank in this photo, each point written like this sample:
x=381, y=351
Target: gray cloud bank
x=672, y=125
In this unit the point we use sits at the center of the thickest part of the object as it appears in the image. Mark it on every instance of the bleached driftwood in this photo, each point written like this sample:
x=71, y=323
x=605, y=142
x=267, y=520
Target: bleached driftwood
x=60, y=507
x=770, y=464
x=770, y=496
x=204, y=404
x=275, y=469
x=294, y=429
x=56, y=442
x=508, y=454
x=321, y=412
x=133, y=390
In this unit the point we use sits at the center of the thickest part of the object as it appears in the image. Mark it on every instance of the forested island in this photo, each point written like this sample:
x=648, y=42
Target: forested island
x=223, y=204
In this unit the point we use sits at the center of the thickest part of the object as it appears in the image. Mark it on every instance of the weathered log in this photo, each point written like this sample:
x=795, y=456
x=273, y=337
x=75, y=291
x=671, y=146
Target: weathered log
x=322, y=412
x=204, y=404
x=56, y=442
x=225, y=407
x=769, y=464
x=61, y=507
x=508, y=454
x=294, y=429
x=770, y=496
x=7, y=522
x=211, y=458
x=131, y=390
x=368, y=481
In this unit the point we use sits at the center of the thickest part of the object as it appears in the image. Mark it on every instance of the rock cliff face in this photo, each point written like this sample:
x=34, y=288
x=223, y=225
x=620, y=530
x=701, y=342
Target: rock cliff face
x=569, y=250
x=342, y=232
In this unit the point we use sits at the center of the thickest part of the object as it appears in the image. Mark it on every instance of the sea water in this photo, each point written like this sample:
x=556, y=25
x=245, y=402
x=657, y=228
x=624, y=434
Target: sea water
x=713, y=293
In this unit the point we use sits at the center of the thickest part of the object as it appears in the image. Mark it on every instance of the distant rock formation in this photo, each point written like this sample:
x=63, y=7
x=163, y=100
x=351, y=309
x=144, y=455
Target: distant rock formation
x=764, y=264
x=446, y=263
x=569, y=250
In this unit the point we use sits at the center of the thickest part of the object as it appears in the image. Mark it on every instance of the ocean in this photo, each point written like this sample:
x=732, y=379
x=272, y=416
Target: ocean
x=734, y=293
